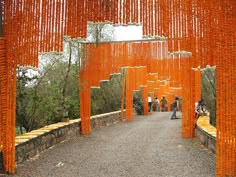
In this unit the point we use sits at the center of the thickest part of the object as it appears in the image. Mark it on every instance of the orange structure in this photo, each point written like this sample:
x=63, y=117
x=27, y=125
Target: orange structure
x=106, y=58
x=204, y=28
x=7, y=107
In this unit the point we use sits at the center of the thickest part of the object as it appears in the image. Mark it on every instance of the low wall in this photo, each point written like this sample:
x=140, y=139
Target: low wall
x=1, y=163
x=32, y=143
x=206, y=133
x=105, y=119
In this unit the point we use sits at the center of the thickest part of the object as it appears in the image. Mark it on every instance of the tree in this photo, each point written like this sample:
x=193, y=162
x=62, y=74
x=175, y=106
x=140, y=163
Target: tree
x=40, y=99
x=107, y=97
x=101, y=31
x=23, y=93
x=208, y=91
x=1, y=29
x=138, y=102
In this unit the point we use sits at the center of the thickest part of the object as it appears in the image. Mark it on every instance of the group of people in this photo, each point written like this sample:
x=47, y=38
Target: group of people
x=156, y=104
x=200, y=108
x=161, y=105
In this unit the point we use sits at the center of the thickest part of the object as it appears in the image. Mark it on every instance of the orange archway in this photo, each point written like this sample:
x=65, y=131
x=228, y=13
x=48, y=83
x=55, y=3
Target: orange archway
x=205, y=28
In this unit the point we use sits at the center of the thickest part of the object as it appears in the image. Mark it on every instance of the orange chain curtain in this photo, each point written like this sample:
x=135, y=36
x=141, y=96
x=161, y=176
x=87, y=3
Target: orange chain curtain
x=107, y=58
x=205, y=28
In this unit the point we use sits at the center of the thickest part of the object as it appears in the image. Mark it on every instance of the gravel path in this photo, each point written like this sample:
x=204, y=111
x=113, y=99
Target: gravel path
x=149, y=146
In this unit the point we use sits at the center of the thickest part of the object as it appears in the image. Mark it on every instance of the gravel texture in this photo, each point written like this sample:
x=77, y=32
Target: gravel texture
x=148, y=146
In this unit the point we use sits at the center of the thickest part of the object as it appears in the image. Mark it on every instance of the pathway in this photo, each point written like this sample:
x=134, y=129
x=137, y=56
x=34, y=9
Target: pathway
x=149, y=146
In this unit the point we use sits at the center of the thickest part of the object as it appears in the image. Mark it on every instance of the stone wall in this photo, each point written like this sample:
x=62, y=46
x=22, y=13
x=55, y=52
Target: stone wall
x=34, y=146
x=206, y=133
x=36, y=141
x=1, y=163
x=105, y=119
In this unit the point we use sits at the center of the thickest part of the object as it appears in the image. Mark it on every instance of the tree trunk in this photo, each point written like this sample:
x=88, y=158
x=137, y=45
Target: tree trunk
x=1, y=25
x=66, y=80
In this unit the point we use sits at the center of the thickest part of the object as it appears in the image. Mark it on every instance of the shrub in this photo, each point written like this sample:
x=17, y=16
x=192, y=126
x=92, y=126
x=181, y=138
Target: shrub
x=138, y=103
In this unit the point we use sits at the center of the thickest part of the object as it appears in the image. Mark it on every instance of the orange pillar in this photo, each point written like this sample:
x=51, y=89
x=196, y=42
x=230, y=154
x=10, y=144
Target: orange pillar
x=7, y=108
x=85, y=100
x=188, y=118
x=129, y=95
x=145, y=99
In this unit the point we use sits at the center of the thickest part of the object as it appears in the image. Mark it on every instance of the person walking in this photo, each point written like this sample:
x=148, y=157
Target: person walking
x=200, y=108
x=174, y=108
x=149, y=104
x=157, y=104
x=163, y=104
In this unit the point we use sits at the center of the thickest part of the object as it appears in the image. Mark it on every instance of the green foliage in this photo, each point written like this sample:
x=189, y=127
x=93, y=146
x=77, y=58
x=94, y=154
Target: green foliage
x=208, y=90
x=20, y=131
x=107, y=97
x=138, y=103
x=40, y=99
x=25, y=95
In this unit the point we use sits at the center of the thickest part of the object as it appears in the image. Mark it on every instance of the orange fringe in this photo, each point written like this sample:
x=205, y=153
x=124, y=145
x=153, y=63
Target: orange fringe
x=205, y=28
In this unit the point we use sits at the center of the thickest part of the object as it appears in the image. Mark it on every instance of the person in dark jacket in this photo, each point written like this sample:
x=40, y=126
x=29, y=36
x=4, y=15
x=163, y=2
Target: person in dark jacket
x=163, y=104
x=175, y=108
